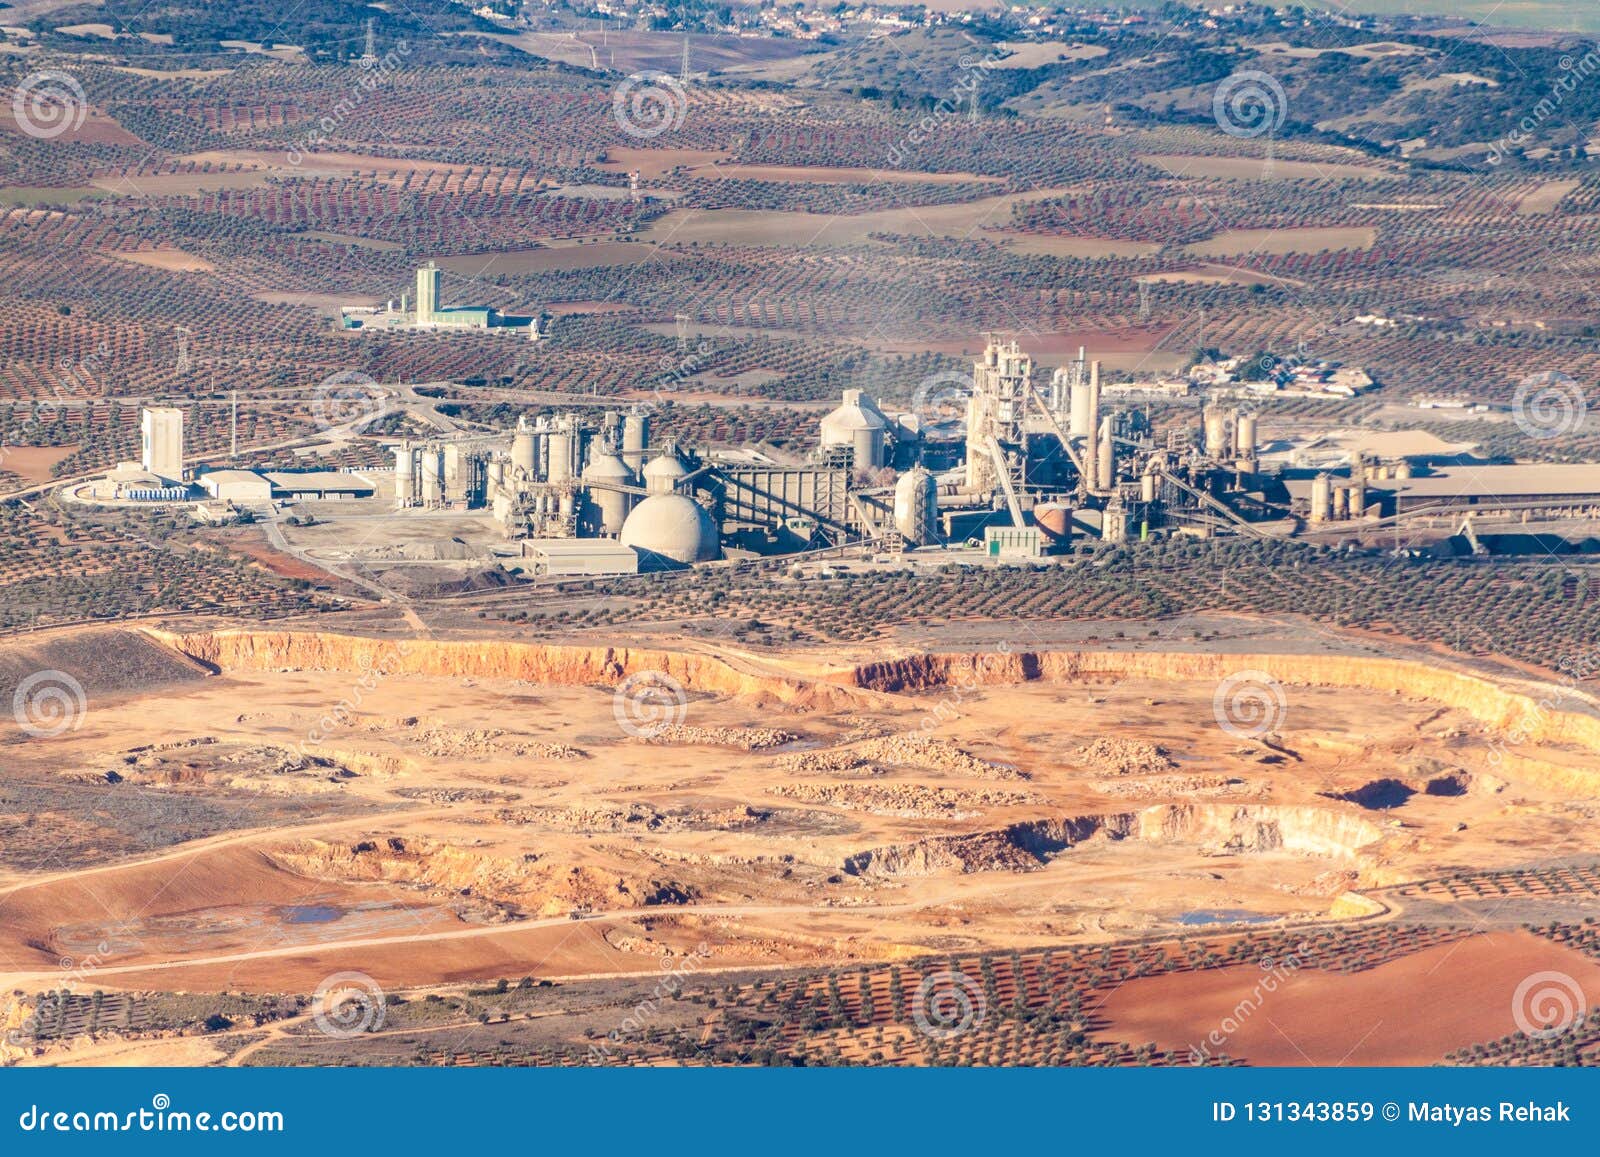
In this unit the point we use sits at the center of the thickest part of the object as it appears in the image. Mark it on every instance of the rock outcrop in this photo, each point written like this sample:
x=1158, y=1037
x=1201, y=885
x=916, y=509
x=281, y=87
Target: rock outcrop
x=252, y=650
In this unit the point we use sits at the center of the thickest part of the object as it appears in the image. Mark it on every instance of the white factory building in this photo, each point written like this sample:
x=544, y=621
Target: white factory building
x=161, y=443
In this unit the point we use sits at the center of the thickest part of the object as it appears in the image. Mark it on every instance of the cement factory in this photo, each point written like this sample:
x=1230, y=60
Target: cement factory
x=1000, y=468
x=1012, y=471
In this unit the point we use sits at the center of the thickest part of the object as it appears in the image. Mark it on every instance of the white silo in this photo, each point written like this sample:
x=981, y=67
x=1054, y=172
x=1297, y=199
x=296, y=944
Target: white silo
x=1216, y=432
x=432, y=477
x=662, y=472
x=1105, y=459
x=405, y=483
x=1321, y=498
x=635, y=439
x=859, y=424
x=612, y=504
x=916, y=507
x=1244, y=436
x=522, y=451
x=558, y=465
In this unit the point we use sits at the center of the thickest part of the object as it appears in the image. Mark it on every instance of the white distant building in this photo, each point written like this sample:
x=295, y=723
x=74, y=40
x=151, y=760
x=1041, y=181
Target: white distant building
x=161, y=442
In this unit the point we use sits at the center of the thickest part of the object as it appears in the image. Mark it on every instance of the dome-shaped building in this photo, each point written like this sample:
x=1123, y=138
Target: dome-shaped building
x=612, y=506
x=671, y=530
x=859, y=424
x=662, y=472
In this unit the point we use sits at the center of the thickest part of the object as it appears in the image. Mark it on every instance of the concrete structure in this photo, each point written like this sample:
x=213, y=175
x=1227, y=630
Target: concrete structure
x=671, y=530
x=430, y=312
x=861, y=427
x=608, y=475
x=161, y=442
x=916, y=507
x=242, y=486
x=428, y=278
x=578, y=557
x=1013, y=542
x=661, y=473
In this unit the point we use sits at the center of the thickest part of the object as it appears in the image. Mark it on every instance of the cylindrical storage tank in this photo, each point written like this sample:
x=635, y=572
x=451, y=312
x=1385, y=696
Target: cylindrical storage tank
x=453, y=486
x=1341, y=503
x=662, y=472
x=1081, y=421
x=1244, y=433
x=1216, y=432
x=852, y=424
x=1358, y=499
x=635, y=439
x=497, y=475
x=1321, y=498
x=405, y=464
x=523, y=453
x=558, y=465
x=916, y=507
x=1055, y=523
x=612, y=505
x=1403, y=469
x=1105, y=459
x=868, y=448
x=1147, y=488
x=569, y=504
x=432, y=477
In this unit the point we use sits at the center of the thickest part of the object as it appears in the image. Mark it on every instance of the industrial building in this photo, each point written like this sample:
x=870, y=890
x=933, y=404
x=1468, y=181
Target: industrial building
x=254, y=488
x=161, y=443
x=428, y=312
